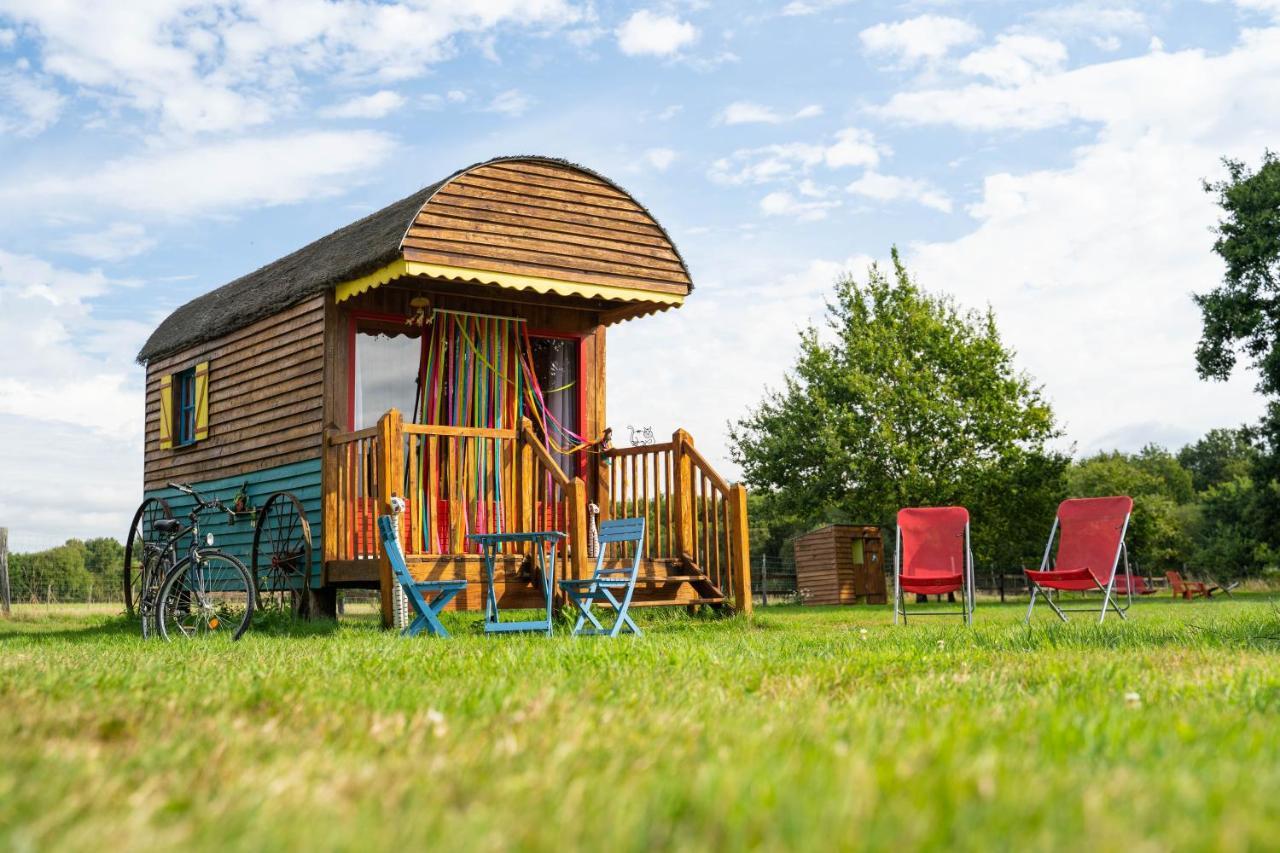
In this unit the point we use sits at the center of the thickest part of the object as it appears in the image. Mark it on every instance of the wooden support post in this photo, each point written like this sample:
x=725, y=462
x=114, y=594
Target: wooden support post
x=684, y=520
x=390, y=469
x=604, y=474
x=329, y=505
x=5, y=594
x=576, y=495
x=740, y=548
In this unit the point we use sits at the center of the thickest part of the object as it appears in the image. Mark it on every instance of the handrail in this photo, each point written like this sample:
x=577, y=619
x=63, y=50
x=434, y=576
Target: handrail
x=348, y=437
x=531, y=440
x=453, y=431
x=705, y=467
x=641, y=449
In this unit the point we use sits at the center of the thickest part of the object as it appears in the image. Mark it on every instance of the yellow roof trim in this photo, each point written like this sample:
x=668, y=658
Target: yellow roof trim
x=515, y=281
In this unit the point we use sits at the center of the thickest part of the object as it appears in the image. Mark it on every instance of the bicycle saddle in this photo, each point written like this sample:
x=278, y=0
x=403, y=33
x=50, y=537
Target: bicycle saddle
x=166, y=525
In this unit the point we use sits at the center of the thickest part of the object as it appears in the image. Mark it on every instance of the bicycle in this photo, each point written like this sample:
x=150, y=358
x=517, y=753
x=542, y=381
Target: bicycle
x=208, y=591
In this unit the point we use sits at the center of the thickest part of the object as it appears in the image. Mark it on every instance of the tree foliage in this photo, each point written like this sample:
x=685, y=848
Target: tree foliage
x=75, y=571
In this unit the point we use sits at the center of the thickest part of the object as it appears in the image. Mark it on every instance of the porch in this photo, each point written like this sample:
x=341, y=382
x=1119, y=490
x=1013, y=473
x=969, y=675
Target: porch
x=462, y=480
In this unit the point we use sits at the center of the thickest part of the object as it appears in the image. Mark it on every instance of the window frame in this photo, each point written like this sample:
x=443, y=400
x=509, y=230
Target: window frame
x=365, y=321
x=183, y=389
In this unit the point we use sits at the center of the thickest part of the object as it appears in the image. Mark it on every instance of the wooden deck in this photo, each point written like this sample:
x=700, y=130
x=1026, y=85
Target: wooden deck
x=696, y=533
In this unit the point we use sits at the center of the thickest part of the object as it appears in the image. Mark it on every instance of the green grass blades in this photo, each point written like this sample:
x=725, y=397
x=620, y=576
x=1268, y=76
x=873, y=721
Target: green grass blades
x=804, y=728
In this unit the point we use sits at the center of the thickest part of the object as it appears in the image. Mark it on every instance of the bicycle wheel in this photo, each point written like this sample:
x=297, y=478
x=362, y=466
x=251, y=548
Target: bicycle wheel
x=156, y=562
x=282, y=554
x=141, y=534
x=208, y=597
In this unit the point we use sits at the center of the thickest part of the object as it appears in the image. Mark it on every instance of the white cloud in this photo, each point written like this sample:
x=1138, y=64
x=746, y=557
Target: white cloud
x=811, y=7
x=849, y=147
x=28, y=105
x=224, y=176
x=1091, y=16
x=653, y=34
x=874, y=185
x=1015, y=59
x=375, y=105
x=228, y=64
x=45, y=311
x=1172, y=84
x=927, y=38
x=747, y=112
x=660, y=158
x=116, y=242
x=1090, y=266
x=512, y=103
x=785, y=204
x=1266, y=7
x=7, y=38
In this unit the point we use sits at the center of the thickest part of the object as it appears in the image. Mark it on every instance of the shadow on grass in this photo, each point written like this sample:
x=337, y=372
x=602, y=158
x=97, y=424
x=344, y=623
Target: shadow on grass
x=78, y=629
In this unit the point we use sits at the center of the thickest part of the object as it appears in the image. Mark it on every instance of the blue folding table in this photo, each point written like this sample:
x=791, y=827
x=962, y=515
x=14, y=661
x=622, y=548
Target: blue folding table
x=543, y=564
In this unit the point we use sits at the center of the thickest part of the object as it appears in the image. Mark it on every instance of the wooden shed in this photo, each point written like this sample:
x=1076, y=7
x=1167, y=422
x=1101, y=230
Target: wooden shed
x=841, y=564
x=448, y=349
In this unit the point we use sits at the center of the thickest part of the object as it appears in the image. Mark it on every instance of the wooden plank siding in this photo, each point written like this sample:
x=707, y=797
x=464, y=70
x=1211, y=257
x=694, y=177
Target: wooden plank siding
x=826, y=572
x=546, y=220
x=266, y=400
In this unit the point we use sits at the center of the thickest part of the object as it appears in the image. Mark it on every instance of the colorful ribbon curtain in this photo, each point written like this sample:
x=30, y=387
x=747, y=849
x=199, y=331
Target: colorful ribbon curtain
x=469, y=377
x=477, y=371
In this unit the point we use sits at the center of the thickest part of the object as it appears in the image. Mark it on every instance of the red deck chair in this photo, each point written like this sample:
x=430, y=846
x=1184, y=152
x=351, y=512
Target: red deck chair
x=933, y=558
x=1090, y=547
x=1138, y=586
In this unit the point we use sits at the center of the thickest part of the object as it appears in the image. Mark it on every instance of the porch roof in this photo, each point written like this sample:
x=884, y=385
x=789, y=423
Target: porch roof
x=490, y=226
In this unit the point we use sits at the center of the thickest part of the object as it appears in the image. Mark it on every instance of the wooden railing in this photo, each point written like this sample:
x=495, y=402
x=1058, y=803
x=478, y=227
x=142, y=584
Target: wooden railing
x=692, y=514
x=455, y=481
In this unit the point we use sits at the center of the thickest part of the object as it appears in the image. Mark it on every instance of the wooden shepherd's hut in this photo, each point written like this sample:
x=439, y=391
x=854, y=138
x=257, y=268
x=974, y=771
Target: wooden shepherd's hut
x=448, y=349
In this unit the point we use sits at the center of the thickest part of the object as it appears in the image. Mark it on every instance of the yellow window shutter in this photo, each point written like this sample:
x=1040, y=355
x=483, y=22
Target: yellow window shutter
x=202, y=401
x=166, y=412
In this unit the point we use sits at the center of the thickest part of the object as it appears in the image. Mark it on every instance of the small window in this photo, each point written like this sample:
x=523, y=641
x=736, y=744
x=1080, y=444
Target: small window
x=184, y=407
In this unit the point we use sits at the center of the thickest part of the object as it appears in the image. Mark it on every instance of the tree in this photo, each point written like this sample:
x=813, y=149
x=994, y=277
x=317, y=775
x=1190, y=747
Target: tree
x=1221, y=456
x=1244, y=311
x=1242, y=314
x=903, y=399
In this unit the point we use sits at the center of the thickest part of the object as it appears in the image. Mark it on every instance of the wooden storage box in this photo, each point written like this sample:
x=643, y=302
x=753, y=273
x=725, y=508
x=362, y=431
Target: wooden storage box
x=841, y=564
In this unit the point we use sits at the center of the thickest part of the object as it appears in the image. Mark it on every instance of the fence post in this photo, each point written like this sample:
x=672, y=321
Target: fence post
x=740, y=548
x=764, y=580
x=390, y=468
x=5, y=600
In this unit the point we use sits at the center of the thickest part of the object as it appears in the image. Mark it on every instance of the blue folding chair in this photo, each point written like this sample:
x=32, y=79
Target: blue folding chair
x=428, y=618
x=602, y=586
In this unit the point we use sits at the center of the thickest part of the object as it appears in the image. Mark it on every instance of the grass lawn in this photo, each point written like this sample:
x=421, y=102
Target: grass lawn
x=806, y=728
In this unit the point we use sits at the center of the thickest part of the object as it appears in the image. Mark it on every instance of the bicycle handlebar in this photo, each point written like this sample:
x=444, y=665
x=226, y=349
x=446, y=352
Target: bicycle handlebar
x=201, y=502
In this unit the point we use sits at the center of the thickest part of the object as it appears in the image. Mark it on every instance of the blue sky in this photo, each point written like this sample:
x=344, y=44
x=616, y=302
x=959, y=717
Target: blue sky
x=1043, y=159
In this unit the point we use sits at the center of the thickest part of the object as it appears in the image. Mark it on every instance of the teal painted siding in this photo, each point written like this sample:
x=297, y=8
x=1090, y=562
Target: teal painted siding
x=300, y=478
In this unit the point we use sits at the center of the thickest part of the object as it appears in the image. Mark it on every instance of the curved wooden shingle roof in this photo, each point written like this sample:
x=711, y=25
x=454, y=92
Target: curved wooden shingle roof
x=527, y=215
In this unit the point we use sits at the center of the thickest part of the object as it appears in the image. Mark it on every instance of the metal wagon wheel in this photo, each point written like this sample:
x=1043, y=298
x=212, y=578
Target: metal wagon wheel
x=141, y=534
x=282, y=554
